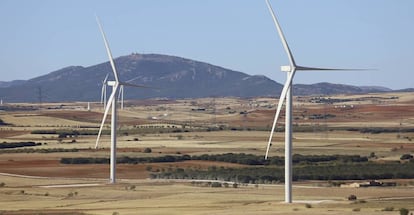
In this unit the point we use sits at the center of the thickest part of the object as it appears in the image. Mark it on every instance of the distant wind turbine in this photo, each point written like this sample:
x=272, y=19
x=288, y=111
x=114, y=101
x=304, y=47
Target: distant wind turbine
x=287, y=94
x=103, y=91
x=121, y=92
x=112, y=103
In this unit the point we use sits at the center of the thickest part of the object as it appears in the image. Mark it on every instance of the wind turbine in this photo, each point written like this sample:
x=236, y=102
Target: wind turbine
x=112, y=103
x=287, y=94
x=103, y=90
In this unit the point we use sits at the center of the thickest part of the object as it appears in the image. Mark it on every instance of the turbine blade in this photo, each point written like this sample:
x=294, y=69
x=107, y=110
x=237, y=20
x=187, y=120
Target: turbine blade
x=102, y=93
x=305, y=68
x=121, y=91
x=108, y=50
x=106, y=78
x=133, y=79
x=136, y=85
x=108, y=106
x=282, y=37
x=282, y=98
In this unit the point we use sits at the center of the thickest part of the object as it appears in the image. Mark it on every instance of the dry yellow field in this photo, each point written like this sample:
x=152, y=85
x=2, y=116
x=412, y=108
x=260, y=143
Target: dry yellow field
x=37, y=187
x=32, y=196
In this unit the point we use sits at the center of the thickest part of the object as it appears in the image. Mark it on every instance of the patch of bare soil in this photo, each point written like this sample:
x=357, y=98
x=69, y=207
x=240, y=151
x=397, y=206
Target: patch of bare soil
x=53, y=168
x=84, y=116
x=12, y=133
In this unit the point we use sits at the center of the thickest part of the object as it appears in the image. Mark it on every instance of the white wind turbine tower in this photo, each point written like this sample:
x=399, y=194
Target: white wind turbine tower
x=112, y=103
x=103, y=91
x=287, y=94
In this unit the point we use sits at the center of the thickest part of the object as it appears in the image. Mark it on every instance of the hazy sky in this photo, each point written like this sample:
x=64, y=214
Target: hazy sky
x=38, y=37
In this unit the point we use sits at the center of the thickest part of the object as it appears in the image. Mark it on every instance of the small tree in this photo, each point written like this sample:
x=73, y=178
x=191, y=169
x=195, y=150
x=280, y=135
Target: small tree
x=404, y=211
x=352, y=197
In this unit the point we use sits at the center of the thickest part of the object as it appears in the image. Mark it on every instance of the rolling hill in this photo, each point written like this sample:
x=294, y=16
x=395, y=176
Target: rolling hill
x=175, y=77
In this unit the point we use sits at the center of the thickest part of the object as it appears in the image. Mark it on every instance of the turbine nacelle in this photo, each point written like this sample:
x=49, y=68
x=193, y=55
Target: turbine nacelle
x=285, y=68
x=111, y=83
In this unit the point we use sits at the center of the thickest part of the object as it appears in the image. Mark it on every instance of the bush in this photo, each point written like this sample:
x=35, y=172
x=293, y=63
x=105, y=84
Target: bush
x=147, y=150
x=216, y=184
x=406, y=157
x=308, y=205
x=352, y=197
x=388, y=209
x=404, y=211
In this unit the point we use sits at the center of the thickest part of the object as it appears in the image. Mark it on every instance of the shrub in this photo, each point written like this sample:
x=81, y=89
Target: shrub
x=352, y=197
x=388, y=209
x=2, y=184
x=216, y=184
x=147, y=150
x=404, y=211
x=406, y=157
x=307, y=205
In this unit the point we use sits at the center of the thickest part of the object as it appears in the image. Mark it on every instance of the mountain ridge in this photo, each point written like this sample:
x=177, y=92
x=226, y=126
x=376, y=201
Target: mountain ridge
x=175, y=77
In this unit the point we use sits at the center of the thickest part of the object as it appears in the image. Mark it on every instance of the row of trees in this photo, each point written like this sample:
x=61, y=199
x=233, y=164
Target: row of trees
x=6, y=145
x=66, y=133
x=381, y=130
x=349, y=171
x=34, y=150
x=246, y=159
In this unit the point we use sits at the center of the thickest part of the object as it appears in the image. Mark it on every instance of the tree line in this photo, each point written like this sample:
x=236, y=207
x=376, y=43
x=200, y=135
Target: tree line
x=66, y=133
x=272, y=174
x=6, y=145
x=241, y=158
